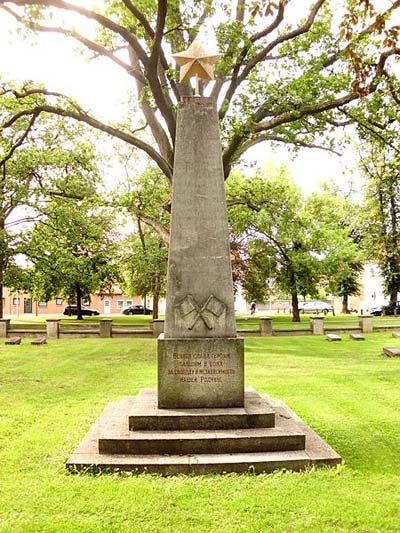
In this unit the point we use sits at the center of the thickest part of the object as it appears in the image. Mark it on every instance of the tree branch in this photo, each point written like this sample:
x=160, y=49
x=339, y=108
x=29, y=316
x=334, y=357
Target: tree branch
x=237, y=78
x=20, y=140
x=100, y=50
x=83, y=117
x=92, y=15
x=279, y=138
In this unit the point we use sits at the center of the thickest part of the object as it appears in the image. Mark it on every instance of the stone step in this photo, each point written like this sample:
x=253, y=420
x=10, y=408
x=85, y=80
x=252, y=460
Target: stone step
x=145, y=415
x=317, y=452
x=171, y=465
x=202, y=441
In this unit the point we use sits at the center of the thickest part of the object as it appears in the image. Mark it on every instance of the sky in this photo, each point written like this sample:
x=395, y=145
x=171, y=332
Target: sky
x=102, y=87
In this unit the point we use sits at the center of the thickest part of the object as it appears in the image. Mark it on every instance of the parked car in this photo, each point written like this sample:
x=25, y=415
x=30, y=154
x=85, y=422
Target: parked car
x=315, y=307
x=389, y=309
x=137, y=310
x=72, y=310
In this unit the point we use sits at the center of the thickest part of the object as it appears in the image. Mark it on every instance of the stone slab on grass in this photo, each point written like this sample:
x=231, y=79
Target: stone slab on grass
x=13, y=340
x=391, y=352
x=39, y=340
x=333, y=337
x=396, y=334
x=357, y=337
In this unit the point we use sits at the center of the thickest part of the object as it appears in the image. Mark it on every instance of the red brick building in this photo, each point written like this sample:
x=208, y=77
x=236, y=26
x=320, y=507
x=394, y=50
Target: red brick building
x=15, y=304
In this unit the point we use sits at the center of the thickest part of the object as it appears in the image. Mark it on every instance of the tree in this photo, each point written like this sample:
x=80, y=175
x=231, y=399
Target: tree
x=285, y=76
x=146, y=266
x=73, y=251
x=381, y=166
x=146, y=253
x=297, y=243
x=41, y=156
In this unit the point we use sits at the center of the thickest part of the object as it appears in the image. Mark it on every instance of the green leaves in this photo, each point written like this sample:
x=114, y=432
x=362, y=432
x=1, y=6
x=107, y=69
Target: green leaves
x=295, y=245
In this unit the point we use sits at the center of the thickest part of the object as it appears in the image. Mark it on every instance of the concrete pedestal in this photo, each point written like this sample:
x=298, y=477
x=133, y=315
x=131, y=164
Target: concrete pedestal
x=317, y=325
x=157, y=327
x=200, y=373
x=366, y=323
x=4, y=327
x=266, y=326
x=53, y=328
x=106, y=327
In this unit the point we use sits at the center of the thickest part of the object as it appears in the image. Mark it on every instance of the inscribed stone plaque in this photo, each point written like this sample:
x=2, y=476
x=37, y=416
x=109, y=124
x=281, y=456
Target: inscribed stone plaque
x=200, y=373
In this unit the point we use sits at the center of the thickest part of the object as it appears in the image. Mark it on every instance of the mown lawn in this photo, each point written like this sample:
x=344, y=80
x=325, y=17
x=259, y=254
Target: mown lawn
x=347, y=391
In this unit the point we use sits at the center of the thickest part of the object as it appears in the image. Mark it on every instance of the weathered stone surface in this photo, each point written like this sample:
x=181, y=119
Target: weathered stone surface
x=366, y=323
x=13, y=340
x=317, y=325
x=391, y=352
x=114, y=419
x=39, y=340
x=357, y=337
x=53, y=328
x=4, y=327
x=333, y=337
x=396, y=334
x=265, y=326
x=200, y=372
x=145, y=415
x=199, y=287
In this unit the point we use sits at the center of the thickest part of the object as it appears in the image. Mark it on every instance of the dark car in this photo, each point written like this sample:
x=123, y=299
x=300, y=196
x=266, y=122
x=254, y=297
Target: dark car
x=137, y=310
x=72, y=310
x=390, y=309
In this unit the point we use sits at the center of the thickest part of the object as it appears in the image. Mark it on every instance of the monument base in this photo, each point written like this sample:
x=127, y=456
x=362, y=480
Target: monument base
x=262, y=436
x=200, y=372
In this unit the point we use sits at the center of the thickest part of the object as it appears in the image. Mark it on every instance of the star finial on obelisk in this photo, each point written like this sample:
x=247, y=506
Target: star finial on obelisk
x=196, y=61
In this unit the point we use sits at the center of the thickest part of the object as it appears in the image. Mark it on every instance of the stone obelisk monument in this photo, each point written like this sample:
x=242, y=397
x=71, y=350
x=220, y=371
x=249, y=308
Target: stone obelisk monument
x=200, y=419
x=200, y=357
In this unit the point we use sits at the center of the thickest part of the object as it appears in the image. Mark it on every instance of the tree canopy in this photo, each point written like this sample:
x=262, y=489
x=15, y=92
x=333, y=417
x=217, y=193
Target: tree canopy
x=289, y=73
x=294, y=243
x=42, y=157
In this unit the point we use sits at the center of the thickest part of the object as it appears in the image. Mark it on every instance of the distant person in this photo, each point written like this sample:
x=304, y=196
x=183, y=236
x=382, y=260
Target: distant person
x=253, y=308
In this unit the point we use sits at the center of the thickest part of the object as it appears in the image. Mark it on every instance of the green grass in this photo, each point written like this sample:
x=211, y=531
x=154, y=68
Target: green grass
x=348, y=392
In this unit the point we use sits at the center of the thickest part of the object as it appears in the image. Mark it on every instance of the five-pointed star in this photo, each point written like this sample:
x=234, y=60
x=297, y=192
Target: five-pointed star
x=195, y=61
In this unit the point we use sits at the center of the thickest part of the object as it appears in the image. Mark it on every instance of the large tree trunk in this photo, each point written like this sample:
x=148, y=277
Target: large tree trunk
x=155, y=306
x=345, y=304
x=295, y=307
x=79, y=315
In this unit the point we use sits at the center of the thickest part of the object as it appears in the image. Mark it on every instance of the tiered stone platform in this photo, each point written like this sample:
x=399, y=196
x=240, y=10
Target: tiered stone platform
x=263, y=436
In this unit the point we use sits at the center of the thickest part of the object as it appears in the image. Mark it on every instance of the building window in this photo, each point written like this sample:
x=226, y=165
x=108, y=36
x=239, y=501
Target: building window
x=86, y=301
x=16, y=301
x=42, y=304
x=120, y=304
x=129, y=303
x=59, y=301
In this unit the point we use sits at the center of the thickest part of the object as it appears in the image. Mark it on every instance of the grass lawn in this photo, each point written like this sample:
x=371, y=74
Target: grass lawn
x=348, y=392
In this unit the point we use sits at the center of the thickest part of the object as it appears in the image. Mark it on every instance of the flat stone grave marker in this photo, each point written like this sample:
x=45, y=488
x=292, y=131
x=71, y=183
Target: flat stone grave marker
x=39, y=340
x=396, y=334
x=357, y=337
x=333, y=337
x=391, y=352
x=13, y=340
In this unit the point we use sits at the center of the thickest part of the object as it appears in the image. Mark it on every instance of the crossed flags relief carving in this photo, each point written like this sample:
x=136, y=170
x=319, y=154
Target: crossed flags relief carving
x=191, y=310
